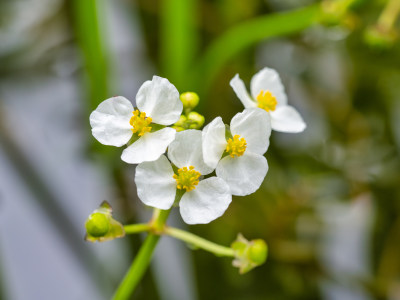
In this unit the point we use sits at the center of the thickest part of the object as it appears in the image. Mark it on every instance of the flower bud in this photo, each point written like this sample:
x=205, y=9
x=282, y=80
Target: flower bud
x=258, y=251
x=97, y=225
x=100, y=225
x=180, y=125
x=181, y=122
x=195, y=120
x=248, y=254
x=178, y=128
x=189, y=100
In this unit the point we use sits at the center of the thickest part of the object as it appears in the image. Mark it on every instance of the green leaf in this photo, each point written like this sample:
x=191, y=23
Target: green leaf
x=249, y=33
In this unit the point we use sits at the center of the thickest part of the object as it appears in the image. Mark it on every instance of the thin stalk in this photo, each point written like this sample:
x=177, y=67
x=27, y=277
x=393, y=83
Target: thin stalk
x=136, y=228
x=143, y=258
x=199, y=242
x=389, y=15
x=159, y=228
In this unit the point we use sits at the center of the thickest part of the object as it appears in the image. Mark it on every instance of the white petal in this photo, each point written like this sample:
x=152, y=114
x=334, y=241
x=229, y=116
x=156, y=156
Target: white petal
x=155, y=185
x=268, y=80
x=206, y=202
x=287, y=119
x=149, y=147
x=254, y=125
x=110, y=121
x=240, y=90
x=159, y=99
x=243, y=174
x=214, y=142
x=186, y=150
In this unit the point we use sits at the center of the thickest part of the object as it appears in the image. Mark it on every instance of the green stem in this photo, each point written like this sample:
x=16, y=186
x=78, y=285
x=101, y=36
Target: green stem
x=136, y=228
x=143, y=258
x=389, y=15
x=182, y=235
x=199, y=242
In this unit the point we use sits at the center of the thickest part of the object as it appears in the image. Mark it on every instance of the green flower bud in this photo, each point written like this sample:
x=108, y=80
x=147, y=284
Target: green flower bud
x=195, y=120
x=248, y=254
x=189, y=100
x=178, y=128
x=97, y=225
x=258, y=251
x=101, y=226
x=181, y=122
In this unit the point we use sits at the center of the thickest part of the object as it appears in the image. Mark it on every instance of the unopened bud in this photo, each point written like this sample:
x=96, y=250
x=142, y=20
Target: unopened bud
x=248, y=254
x=189, y=100
x=181, y=121
x=258, y=251
x=101, y=226
x=178, y=128
x=97, y=225
x=195, y=120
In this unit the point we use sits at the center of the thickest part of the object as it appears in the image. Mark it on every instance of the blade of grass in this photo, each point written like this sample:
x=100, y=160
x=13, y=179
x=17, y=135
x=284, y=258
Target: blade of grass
x=178, y=39
x=87, y=29
x=247, y=34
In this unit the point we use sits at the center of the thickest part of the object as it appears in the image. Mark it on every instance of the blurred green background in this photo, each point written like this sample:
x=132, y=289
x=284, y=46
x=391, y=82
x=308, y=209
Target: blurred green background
x=329, y=207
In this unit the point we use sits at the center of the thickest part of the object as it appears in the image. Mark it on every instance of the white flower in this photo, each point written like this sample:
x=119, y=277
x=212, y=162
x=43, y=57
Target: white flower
x=244, y=166
x=203, y=200
x=114, y=121
x=267, y=92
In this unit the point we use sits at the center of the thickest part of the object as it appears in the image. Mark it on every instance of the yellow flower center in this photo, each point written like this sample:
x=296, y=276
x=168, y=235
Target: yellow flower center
x=187, y=178
x=140, y=124
x=266, y=101
x=236, y=146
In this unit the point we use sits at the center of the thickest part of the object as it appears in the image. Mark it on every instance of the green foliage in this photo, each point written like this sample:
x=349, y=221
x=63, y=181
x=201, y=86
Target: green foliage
x=247, y=34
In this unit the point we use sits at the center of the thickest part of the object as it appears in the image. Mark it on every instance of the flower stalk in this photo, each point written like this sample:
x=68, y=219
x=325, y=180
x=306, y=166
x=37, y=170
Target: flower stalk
x=199, y=242
x=143, y=258
x=187, y=237
x=136, y=228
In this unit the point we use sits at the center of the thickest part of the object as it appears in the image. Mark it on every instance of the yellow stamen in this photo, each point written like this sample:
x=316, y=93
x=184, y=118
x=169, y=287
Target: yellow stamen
x=266, y=101
x=236, y=146
x=187, y=178
x=140, y=124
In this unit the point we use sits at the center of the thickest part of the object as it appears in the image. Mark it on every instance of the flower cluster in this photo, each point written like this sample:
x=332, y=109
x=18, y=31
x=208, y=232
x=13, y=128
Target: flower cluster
x=176, y=164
